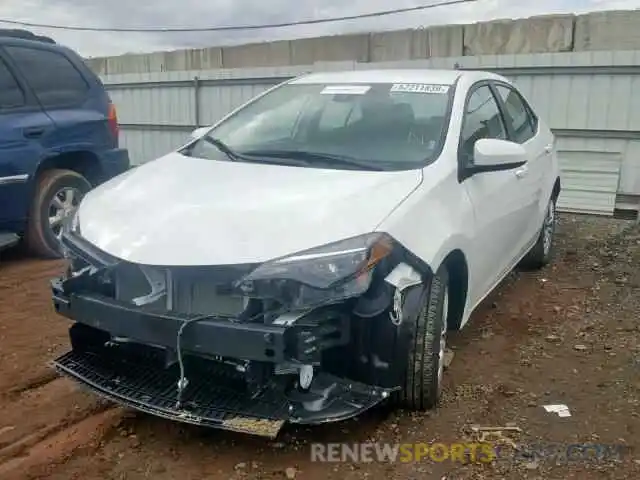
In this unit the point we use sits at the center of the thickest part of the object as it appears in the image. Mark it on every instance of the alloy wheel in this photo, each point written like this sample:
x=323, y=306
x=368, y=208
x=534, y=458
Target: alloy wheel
x=63, y=204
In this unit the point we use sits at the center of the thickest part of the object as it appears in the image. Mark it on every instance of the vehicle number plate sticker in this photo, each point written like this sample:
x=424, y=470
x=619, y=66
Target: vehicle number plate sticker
x=345, y=89
x=419, y=88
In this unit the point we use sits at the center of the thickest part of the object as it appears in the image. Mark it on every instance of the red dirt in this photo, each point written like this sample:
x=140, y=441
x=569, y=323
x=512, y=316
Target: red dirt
x=568, y=334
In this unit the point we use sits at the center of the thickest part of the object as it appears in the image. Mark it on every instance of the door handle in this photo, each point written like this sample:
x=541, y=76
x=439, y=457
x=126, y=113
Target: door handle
x=522, y=172
x=33, y=132
x=548, y=149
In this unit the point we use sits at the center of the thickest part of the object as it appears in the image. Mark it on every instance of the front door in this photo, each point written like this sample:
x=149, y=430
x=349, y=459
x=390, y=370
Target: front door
x=500, y=204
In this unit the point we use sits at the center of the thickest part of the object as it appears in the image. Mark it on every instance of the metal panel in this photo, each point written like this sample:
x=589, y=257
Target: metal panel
x=150, y=144
x=589, y=181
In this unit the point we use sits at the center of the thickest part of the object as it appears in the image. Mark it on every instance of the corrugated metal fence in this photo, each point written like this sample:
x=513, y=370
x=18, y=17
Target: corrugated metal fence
x=590, y=100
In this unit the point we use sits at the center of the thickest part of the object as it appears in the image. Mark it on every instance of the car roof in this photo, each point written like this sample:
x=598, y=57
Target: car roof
x=439, y=77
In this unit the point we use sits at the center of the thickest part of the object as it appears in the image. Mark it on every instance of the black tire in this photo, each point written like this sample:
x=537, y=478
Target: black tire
x=541, y=254
x=40, y=238
x=422, y=387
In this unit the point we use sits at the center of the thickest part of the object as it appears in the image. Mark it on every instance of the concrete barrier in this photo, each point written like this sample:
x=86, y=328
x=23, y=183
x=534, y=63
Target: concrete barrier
x=532, y=35
x=416, y=44
x=265, y=54
x=170, y=61
x=338, y=48
x=614, y=30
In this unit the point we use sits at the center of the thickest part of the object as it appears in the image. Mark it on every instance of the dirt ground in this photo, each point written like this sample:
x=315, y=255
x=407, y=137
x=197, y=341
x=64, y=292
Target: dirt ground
x=569, y=334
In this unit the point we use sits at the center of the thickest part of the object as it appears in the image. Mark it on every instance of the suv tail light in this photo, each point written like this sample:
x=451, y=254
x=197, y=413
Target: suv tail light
x=112, y=118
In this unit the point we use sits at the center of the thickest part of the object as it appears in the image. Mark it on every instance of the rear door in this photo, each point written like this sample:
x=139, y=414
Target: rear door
x=23, y=125
x=524, y=128
x=77, y=104
x=500, y=204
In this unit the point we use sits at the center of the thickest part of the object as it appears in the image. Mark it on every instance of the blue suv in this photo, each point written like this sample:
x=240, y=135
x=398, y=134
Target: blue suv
x=58, y=139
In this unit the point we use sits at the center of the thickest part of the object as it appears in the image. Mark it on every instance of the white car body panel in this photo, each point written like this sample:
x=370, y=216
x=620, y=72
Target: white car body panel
x=254, y=214
x=187, y=211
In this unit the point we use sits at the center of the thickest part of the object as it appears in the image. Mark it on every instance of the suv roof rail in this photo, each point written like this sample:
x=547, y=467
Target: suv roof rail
x=25, y=35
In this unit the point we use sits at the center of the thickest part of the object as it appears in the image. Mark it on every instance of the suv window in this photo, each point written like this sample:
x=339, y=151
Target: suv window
x=524, y=125
x=11, y=95
x=482, y=119
x=53, y=78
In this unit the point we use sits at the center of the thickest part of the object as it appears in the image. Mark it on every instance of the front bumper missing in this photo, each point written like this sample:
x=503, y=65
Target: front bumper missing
x=211, y=400
x=142, y=373
x=152, y=390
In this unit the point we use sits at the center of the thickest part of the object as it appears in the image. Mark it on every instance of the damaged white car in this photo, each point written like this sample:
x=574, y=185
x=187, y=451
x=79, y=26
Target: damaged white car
x=303, y=259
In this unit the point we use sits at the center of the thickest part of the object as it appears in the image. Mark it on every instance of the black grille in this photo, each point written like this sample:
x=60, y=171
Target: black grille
x=213, y=398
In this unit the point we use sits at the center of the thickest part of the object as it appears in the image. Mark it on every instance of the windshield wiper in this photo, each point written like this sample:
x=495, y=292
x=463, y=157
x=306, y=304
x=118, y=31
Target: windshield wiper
x=242, y=157
x=310, y=158
x=224, y=148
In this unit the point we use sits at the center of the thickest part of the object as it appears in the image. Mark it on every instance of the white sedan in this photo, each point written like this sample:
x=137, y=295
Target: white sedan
x=302, y=260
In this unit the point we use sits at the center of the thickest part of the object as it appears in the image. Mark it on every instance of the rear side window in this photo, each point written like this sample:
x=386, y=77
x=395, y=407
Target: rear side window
x=53, y=78
x=522, y=122
x=11, y=95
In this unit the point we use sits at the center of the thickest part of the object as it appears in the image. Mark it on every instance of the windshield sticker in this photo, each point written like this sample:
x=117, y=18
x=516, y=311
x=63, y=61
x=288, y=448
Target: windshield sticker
x=345, y=89
x=419, y=88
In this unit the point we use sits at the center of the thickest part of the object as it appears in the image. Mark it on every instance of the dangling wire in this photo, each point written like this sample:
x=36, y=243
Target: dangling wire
x=183, y=382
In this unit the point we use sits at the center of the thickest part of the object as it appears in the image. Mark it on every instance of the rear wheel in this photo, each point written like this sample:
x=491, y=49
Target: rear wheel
x=422, y=387
x=542, y=252
x=58, y=194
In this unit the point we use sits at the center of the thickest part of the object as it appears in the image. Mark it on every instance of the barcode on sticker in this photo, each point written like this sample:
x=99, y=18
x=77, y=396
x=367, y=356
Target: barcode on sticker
x=345, y=89
x=419, y=88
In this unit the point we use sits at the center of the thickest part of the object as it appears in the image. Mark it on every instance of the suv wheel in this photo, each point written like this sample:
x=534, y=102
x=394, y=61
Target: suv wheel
x=58, y=194
x=422, y=387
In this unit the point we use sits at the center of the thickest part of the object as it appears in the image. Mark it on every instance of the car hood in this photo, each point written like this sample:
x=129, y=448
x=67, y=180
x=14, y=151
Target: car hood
x=180, y=210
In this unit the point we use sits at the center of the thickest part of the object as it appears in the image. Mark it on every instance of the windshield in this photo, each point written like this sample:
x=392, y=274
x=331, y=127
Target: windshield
x=386, y=126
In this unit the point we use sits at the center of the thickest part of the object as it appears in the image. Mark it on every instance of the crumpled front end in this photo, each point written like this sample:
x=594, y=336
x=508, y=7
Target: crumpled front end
x=315, y=337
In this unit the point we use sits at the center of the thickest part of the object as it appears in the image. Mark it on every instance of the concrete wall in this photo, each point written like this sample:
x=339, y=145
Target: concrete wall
x=614, y=30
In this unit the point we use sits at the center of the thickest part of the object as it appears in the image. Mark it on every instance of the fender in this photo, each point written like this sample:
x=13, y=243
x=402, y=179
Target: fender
x=379, y=355
x=447, y=222
x=51, y=156
x=378, y=351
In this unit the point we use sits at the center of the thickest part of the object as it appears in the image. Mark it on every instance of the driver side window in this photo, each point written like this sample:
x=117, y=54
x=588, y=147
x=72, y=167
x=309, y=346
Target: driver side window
x=482, y=119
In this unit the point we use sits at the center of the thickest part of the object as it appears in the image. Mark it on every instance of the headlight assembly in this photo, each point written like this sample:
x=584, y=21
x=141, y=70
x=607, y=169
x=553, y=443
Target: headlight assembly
x=323, y=274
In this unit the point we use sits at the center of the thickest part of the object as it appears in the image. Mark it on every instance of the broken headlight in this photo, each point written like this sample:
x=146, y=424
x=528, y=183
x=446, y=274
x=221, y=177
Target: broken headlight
x=325, y=274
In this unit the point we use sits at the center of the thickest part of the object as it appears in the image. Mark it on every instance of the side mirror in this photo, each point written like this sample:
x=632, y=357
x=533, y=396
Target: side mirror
x=199, y=132
x=494, y=155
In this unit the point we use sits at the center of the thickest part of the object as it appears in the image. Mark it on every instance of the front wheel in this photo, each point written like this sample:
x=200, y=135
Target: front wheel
x=58, y=194
x=541, y=253
x=422, y=386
